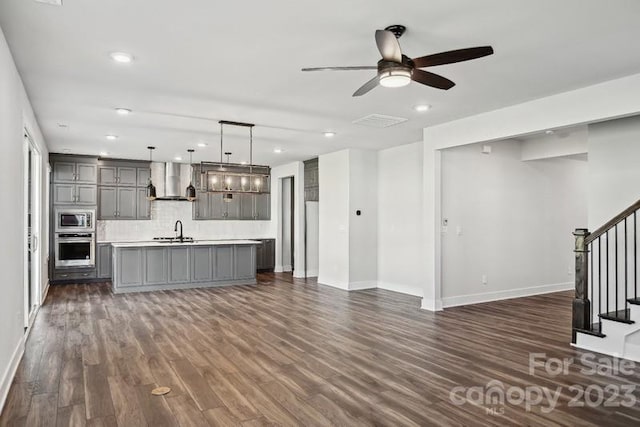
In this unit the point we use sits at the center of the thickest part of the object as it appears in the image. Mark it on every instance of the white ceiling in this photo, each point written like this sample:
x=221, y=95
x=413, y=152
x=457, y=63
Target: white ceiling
x=199, y=61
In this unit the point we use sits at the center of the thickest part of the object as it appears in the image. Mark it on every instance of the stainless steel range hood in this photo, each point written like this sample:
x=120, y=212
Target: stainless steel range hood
x=173, y=188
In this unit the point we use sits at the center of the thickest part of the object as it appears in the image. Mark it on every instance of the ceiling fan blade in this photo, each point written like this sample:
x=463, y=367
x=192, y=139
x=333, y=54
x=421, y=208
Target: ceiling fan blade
x=388, y=46
x=452, y=56
x=430, y=79
x=367, y=87
x=360, y=67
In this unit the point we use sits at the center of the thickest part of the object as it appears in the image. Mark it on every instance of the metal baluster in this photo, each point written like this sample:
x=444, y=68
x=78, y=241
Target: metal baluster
x=607, y=265
x=590, y=249
x=626, y=271
x=599, y=284
x=615, y=265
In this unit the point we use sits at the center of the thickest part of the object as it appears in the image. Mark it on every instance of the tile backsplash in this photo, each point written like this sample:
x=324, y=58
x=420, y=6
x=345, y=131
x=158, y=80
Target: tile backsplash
x=163, y=217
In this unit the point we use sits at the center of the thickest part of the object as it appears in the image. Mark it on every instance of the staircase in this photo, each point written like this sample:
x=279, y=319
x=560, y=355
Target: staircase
x=606, y=307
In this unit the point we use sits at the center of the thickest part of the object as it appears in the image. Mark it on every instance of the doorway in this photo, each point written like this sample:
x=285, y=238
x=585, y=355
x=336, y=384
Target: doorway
x=288, y=201
x=32, y=232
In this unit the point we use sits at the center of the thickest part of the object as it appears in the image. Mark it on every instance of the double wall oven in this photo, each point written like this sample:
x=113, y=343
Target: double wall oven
x=75, y=238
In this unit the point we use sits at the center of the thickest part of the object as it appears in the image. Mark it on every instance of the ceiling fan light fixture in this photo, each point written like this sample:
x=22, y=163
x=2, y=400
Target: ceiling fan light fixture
x=395, y=78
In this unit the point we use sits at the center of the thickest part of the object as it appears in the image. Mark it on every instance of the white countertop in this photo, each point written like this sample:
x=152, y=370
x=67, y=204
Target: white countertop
x=194, y=243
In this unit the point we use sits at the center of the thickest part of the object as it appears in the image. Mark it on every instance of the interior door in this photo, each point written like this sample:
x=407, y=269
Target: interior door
x=33, y=215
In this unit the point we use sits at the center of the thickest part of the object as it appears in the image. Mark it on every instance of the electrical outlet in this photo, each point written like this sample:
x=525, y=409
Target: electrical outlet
x=484, y=279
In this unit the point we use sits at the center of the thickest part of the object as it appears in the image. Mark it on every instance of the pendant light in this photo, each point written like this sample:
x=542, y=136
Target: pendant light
x=227, y=197
x=191, y=190
x=151, y=189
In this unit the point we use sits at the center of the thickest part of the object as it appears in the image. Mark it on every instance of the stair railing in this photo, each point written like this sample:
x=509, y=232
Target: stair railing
x=605, y=270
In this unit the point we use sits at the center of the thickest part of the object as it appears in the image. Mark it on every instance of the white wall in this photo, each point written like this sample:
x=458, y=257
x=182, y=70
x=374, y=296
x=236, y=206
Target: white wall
x=348, y=242
x=363, y=228
x=509, y=220
x=614, y=168
x=400, y=217
x=15, y=115
x=567, y=142
x=333, y=258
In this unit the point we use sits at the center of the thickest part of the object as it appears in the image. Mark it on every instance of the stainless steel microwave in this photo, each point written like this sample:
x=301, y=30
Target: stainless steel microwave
x=75, y=220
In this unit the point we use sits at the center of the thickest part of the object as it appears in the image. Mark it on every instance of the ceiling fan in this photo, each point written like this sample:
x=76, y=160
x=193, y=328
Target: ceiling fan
x=396, y=69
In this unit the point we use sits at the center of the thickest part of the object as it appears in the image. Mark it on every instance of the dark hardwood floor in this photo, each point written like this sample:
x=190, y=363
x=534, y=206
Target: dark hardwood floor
x=290, y=352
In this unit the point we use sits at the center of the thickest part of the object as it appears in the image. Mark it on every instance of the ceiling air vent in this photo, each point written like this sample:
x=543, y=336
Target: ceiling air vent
x=53, y=2
x=379, y=121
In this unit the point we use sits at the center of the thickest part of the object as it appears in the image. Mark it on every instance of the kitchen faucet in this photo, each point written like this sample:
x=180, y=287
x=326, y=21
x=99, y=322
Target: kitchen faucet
x=181, y=237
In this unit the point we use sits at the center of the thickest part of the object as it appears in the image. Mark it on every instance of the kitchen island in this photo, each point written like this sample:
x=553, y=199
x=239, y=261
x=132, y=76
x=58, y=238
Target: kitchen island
x=157, y=265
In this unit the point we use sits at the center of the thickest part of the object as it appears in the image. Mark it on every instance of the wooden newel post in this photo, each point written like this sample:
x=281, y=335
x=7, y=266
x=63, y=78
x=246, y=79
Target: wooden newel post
x=581, y=303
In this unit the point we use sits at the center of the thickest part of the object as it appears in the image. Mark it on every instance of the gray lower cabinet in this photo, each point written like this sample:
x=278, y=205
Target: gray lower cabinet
x=266, y=254
x=201, y=265
x=223, y=262
x=244, y=270
x=155, y=266
x=179, y=260
x=103, y=260
x=129, y=267
x=184, y=266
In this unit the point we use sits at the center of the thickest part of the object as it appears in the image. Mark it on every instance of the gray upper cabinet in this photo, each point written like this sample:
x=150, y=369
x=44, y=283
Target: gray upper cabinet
x=64, y=194
x=144, y=175
x=74, y=180
x=71, y=194
x=246, y=206
x=127, y=176
x=70, y=171
x=64, y=172
x=144, y=206
x=122, y=190
x=86, y=173
x=107, y=175
x=107, y=203
x=262, y=205
x=127, y=203
x=112, y=175
x=211, y=206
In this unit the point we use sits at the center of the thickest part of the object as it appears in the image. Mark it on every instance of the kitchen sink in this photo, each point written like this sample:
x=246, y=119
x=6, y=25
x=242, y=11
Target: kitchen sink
x=174, y=239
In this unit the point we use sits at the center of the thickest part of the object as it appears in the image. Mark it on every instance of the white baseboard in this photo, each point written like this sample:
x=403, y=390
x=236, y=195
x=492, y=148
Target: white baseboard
x=287, y=268
x=366, y=284
x=10, y=372
x=278, y=269
x=45, y=293
x=402, y=288
x=431, y=304
x=312, y=273
x=507, y=294
x=333, y=284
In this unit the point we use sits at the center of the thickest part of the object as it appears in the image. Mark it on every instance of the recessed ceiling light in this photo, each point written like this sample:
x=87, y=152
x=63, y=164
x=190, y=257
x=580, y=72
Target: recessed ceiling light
x=63, y=125
x=104, y=153
x=329, y=134
x=123, y=111
x=178, y=158
x=277, y=150
x=111, y=137
x=121, y=57
x=549, y=132
x=244, y=162
x=53, y=2
x=202, y=145
x=66, y=150
x=421, y=108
